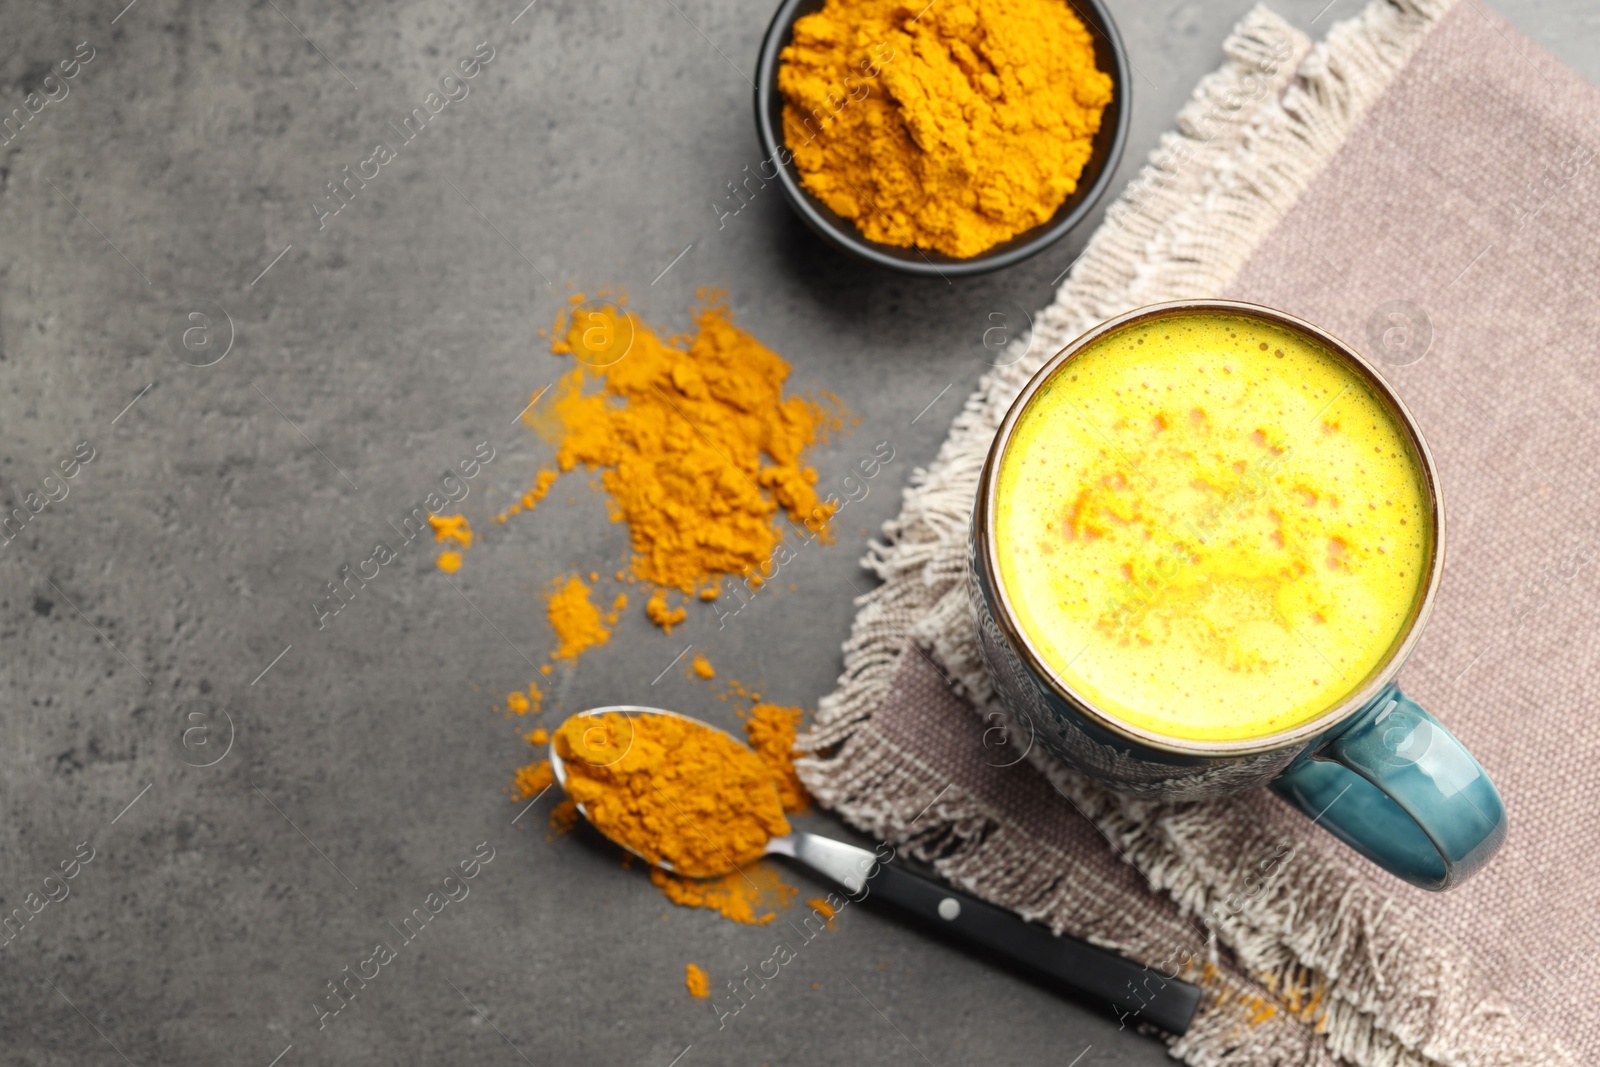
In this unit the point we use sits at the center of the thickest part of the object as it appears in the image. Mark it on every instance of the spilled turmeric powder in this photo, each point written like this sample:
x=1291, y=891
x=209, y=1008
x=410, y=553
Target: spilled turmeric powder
x=752, y=895
x=534, y=779
x=950, y=126
x=702, y=667
x=697, y=447
x=675, y=791
x=616, y=609
x=771, y=730
x=697, y=981
x=450, y=528
x=564, y=816
x=662, y=615
x=531, y=498
x=575, y=619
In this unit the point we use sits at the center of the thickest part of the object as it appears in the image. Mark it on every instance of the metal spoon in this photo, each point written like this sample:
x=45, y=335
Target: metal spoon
x=1133, y=993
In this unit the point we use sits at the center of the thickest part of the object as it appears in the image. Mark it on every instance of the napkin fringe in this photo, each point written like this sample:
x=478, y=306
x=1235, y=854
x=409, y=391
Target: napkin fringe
x=1250, y=141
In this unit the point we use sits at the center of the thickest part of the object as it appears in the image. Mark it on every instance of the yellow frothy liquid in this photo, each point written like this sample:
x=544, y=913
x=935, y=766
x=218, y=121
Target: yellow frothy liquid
x=1210, y=527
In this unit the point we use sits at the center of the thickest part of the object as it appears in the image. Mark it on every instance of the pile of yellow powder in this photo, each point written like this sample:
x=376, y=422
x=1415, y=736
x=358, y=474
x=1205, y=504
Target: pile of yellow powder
x=950, y=126
x=698, y=448
x=576, y=619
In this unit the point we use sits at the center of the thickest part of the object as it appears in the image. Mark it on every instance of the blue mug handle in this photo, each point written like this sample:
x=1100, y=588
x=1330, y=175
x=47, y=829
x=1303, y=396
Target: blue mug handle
x=1397, y=787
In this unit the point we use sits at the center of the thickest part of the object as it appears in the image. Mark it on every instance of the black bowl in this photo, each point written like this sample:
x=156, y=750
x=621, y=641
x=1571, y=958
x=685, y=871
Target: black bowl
x=842, y=232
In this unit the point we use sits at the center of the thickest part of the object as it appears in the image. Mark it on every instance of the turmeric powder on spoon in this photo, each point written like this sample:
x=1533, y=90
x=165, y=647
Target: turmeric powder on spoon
x=680, y=791
x=671, y=790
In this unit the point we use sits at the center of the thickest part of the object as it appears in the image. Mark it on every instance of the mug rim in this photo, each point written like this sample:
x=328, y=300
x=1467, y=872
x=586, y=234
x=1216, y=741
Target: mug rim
x=1005, y=614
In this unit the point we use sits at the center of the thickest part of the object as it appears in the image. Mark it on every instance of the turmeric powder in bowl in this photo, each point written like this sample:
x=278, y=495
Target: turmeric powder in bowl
x=952, y=126
x=674, y=791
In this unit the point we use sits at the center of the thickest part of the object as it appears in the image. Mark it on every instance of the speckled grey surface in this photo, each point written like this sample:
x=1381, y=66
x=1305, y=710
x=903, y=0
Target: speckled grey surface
x=367, y=361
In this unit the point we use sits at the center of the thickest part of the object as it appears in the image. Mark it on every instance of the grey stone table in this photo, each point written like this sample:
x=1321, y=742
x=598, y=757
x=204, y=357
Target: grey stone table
x=169, y=595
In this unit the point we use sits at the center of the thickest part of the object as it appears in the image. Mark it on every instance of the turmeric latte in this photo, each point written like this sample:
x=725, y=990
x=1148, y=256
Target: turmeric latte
x=673, y=790
x=951, y=126
x=1211, y=527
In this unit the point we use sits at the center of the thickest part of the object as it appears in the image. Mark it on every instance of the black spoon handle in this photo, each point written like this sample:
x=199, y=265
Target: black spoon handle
x=1135, y=994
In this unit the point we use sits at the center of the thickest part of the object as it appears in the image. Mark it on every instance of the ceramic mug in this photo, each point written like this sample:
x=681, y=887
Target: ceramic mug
x=1376, y=770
